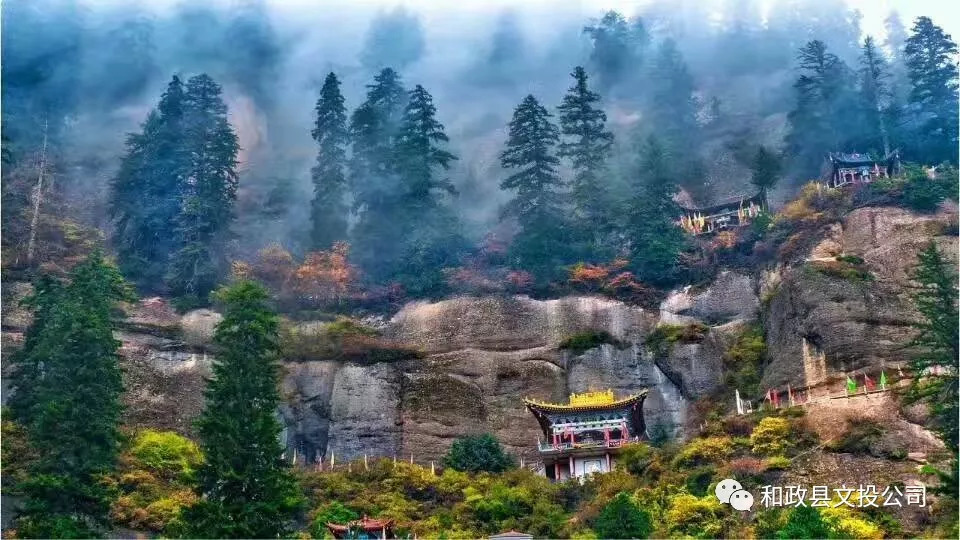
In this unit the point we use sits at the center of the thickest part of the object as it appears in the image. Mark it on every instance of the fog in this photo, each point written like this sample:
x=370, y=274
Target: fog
x=93, y=70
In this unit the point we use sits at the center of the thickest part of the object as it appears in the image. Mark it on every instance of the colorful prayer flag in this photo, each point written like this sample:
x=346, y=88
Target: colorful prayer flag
x=851, y=385
x=883, y=380
x=868, y=382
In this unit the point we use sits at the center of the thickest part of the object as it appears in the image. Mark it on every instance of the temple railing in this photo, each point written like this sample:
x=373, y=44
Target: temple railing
x=612, y=443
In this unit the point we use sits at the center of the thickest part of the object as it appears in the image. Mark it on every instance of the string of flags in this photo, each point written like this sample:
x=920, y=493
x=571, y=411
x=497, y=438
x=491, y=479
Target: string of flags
x=776, y=397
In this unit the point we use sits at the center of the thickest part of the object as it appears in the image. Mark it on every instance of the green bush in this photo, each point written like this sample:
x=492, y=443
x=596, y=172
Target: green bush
x=705, y=450
x=771, y=436
x=663, y=337
x=804, y=522
x=166, y=453
x=689, y=515
x=475, y=453
x=622, y=518
x=778, y=463
x=744, y=359
x=331, y=512
x=582, y=342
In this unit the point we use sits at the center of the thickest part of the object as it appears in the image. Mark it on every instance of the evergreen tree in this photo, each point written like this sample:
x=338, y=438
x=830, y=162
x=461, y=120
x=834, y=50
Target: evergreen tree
x=655, y=239
x=373, y=174
x=475, y=453
x=765, y=171
x=875, y=97
x=68, y=401
x=930, y=58
x=673, y=109
x=587, y=144
x=939, y=339
x=246, y=489
x=431, y=234
x=144, y=199
x=541, y=245
x=328, y=211
x=207, y=193
x=617, y=48
x=622, y=518
x=824, y=110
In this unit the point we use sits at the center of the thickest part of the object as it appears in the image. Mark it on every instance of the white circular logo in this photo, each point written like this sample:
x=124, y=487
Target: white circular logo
x=741, y=500
x=726, y=488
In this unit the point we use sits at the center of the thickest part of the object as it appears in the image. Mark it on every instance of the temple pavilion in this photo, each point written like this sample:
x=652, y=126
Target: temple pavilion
x=852, y=169
x=729, y=214
x=585, y=435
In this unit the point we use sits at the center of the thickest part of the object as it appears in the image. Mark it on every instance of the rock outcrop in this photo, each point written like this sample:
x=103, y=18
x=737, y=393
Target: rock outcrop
x=821, y=326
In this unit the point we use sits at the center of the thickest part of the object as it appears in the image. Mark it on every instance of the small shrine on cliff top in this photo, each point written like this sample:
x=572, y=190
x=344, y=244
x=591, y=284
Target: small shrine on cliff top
x=585, y=435
x=729, y=214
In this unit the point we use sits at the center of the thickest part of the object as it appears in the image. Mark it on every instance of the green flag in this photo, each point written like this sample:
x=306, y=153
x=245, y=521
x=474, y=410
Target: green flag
x=851, y=386
x=883, y=380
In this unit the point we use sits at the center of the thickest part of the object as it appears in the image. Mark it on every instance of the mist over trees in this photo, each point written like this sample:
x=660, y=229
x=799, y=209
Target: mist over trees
x=321, y=139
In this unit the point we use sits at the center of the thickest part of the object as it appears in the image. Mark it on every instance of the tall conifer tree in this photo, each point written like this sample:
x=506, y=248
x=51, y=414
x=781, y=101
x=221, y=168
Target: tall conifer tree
x=207, y=193
x=875, y=97
x=68, y=401
x=373, y=174
x=587, y=145
x=328, y=211
x=541, y=246
x=246, y=489
x=432, y=240
x=930, y=57
x=144, y=200
x=655, y=239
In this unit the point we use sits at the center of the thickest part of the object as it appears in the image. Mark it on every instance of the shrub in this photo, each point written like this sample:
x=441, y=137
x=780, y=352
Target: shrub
x=842, y=269
x=582, y=342
x=342, y=339
x=167, y=454
x=747, y=466
x=693, y=516
x=705, y=450
x=331, y=512
x=635, y=458
x=770, y=437
x=475, y=453
x=743, y=361
x=622, y=518
x=804, y=522
x=666, y=335
x=778, y=463
x=843, y=523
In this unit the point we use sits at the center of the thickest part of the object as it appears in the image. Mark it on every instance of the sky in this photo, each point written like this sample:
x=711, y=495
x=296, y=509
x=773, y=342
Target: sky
x=946, y=13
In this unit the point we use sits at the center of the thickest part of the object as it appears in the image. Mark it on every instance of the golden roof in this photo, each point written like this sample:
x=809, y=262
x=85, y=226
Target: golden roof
x=587, y=401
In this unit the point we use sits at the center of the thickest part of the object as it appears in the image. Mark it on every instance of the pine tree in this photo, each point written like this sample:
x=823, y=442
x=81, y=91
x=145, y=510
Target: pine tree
x=618, y=47
x=328, y=211
x=673, y=109
x=144, y=200
x=207, y=194
x=246, y=489
x=939, y=339
x=875, y=96
x=824, y=111
x=622, y=518
x=68, y=401
x=765, y=171
x=930, y=58
x=655, y=239
x=587, y=145
x=541, y=245
x=431, y=239
x=373, y=174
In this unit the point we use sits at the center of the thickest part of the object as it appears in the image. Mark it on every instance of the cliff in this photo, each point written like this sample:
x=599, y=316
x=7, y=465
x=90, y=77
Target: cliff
x=480, y=355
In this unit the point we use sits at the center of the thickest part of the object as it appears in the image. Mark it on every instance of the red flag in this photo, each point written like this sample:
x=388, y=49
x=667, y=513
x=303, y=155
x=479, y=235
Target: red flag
x=868, y=382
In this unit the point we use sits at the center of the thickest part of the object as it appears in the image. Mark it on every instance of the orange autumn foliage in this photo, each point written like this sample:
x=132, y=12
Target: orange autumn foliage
x=325, y=275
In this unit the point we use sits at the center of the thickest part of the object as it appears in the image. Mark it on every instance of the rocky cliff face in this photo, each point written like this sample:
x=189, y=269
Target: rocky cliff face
x=482, y=355
x=821, y=326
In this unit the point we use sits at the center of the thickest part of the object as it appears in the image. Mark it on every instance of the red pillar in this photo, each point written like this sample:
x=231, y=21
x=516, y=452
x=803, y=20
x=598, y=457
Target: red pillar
x=625, y=434
x=606, y=436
